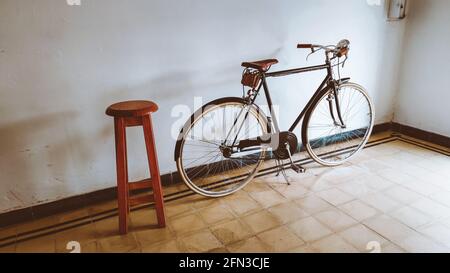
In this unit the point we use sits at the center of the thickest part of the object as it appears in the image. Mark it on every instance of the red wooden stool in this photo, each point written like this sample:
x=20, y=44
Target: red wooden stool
x=128, y=114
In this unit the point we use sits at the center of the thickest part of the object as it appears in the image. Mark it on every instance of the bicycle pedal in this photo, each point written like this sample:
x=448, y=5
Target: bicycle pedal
x=298, y=168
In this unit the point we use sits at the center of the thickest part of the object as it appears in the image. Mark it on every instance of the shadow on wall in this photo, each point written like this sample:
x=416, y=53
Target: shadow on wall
x=38, y=172
x=46, y=158
x=167, y=90
x=178, y=86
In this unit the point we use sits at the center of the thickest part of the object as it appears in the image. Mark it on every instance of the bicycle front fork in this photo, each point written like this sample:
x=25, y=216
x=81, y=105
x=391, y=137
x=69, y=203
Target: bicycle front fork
x=334, y=96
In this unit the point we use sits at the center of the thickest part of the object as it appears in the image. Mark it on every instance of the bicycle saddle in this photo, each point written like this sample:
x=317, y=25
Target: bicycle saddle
x=262, y=66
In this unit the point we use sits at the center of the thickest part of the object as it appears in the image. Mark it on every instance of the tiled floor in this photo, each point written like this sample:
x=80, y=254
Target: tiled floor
x=395, y=195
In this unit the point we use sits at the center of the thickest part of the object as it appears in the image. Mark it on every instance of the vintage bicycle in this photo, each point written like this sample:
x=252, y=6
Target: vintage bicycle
x=224, y=143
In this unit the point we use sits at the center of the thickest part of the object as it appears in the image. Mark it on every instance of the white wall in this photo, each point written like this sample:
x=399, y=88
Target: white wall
x=424, y=91
x=61, y=66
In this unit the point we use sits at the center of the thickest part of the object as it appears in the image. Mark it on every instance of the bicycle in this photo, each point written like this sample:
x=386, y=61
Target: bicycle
x=222, y=146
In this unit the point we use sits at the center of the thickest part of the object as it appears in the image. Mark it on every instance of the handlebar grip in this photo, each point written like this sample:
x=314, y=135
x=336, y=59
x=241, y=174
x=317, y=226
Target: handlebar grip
x=342, y=52
x=304, y=46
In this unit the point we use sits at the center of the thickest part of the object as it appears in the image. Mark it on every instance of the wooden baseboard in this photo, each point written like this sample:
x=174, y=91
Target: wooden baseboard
x=383, y=127
x=85, y=200
x=421, y=134
x=66, y=204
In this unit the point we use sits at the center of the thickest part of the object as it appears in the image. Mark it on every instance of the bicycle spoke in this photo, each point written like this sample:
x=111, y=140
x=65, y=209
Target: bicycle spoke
x=331, y=145
x=205, y=166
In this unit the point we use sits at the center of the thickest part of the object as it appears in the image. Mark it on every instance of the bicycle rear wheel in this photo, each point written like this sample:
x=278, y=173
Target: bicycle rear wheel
x=327, y=141
x=205, y=160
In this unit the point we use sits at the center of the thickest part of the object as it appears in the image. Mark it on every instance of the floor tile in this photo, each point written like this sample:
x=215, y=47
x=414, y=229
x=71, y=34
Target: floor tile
x=411, y=217
x=118, y=244
x=293, y=191
x=305, y=248
x=438, y=232
x=396, y=176
x=333, y=244
x=177, y=208
x=198, y=202
x=261, y=221
x=358, y=210
x=402, y=194
x=335, y=196
x=335, y=219
x=90, y=247
x=172, y=246
x=310, y=182
x=312, y=204
x=45, y=244
x=268, y=198
x=83, y=234
x=219, y=250
x=341, y=174
x=391, y=248
x=242, y=204
x=231, y=231
x=257, y=186
x=202, y=241
x=356, y=188
x=377, y=182
x=280, y=239
x=150, y=236
x=359, y=236
x=381, y=202
x=309, y=229
x=317, y=184
x=107, y=227
x=389, y=228
x=250, y=245
x=423, y=188
x=421, y=244
x=432, y=208
x=442, y=197
x=186, y=224
x=216, y=213
x=143, y=218
x=373, y=165
x=287, y=212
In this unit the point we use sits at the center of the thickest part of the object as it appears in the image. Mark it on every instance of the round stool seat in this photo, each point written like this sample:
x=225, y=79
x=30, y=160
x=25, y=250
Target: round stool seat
x=134, y=108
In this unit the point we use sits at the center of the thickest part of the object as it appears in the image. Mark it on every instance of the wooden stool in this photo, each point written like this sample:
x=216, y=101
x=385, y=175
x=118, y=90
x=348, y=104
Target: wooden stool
x=128, y=114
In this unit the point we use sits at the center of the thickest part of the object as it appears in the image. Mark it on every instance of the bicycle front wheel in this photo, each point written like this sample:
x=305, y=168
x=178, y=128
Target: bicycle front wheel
x=206, y=161
x=327, y=140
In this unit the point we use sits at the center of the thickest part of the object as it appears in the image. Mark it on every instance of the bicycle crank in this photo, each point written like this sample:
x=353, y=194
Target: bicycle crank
x=287, y=145
x=286, y=148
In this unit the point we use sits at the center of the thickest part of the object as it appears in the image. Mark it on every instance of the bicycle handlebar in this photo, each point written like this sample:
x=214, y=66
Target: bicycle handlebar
x=339, y=50
x=304, y=46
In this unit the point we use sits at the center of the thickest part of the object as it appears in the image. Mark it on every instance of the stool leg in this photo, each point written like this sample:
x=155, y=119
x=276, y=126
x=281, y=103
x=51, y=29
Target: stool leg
x=154, y=169
x=122, y=173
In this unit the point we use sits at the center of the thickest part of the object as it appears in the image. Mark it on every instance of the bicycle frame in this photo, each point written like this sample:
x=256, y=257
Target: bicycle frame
x=324, y=87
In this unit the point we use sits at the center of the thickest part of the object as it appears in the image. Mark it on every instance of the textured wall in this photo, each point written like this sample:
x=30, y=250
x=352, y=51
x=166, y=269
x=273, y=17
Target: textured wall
x=424, y=92
x=61, y=66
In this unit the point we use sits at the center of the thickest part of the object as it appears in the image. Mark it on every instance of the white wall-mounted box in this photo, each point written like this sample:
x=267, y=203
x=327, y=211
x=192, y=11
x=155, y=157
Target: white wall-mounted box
x=396, y=9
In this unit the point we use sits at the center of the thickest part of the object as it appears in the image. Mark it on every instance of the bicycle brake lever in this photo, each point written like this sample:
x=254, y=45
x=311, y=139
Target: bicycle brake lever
x=343, y=63
x=312, y=52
